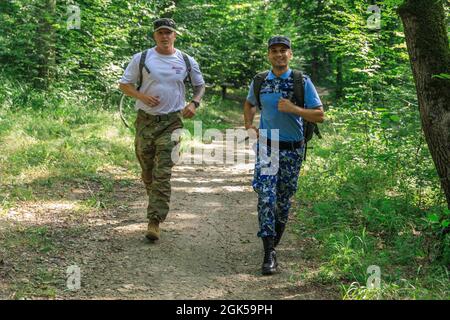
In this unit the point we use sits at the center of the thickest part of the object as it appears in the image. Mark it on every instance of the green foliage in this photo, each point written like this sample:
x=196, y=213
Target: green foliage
x=445, y=76
x=369, y=190
x=93, y=57
x=227, y=37
x=366, y=204
x=46, y=149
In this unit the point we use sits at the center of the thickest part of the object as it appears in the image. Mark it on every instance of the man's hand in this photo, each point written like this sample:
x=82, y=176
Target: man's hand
x=252, y=131
x=151, y=101
x=189, y=111
x=315, y=114
x=285, y=105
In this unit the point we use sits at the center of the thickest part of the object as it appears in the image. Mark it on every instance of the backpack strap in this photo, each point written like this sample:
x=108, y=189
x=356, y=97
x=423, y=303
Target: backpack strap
x=188, y=67
x=299, y=88
x=299, y=97
x=257, y=83
x=142, y=66
x=309, y=128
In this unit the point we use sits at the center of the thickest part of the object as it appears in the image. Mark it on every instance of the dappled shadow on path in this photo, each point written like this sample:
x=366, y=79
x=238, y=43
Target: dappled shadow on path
x=208, y=247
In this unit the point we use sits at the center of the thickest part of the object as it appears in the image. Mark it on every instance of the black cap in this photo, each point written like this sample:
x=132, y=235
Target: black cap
x=279, y=40
x=164, y=23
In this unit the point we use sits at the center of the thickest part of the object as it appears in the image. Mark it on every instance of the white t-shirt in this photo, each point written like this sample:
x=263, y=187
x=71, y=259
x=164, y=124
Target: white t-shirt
x=167, y=73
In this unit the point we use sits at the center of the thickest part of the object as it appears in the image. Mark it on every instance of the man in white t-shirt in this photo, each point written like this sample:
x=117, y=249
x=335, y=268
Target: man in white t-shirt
x=160, y=102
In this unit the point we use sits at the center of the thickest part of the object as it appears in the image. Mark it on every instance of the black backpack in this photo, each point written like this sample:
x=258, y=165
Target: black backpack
x=142, y=65
x=309, y=128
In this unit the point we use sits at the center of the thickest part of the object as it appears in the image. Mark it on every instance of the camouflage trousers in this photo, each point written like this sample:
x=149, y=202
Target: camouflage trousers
x=154, y=147
x=276, y=188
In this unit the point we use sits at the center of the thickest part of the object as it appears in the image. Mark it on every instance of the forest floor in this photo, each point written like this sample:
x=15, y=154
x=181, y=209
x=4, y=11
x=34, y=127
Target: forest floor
x=208, y=247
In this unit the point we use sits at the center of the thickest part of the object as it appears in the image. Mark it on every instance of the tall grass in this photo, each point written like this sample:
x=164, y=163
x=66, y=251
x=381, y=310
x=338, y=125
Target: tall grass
x=365, y=201
x=53, y=140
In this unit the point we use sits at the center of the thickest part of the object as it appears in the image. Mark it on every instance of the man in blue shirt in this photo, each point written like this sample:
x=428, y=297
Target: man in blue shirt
x=281, y=139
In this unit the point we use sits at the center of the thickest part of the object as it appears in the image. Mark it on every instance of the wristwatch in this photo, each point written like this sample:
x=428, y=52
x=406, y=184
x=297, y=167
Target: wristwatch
x=196, y=104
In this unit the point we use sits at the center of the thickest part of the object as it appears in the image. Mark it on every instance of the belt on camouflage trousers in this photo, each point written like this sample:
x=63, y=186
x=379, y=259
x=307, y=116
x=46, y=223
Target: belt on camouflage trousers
x=159, y=117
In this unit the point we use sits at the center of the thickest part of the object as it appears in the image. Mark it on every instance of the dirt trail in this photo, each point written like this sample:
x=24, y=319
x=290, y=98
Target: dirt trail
x=208, y=247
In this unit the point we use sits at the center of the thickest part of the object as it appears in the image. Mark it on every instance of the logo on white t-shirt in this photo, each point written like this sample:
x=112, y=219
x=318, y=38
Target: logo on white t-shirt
x=178, y=70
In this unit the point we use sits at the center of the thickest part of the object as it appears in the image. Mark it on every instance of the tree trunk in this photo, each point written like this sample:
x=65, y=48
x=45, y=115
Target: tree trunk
x=428, y=48
x=315, y=63
x=339, y=78
x=45, y=43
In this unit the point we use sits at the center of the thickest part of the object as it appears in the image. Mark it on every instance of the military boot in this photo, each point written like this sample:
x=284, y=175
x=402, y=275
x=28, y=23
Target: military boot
x=279, y=229
x=270, y=257
x=153, y=230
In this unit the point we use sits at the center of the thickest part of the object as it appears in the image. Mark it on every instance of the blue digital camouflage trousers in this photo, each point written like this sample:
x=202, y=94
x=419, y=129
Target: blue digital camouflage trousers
x=275, y=187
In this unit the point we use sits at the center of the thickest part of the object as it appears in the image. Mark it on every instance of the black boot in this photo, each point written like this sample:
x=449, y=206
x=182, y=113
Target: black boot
x=279, y=229
x=270, y=257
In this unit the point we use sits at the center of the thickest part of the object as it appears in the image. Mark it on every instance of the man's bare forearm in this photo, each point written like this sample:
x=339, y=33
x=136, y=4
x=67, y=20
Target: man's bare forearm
x=199, y=91
x=312, y=115
x=129, y=90
x=249, y=114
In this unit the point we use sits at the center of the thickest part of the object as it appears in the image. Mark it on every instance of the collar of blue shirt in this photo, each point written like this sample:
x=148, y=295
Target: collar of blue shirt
x=284, y=76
